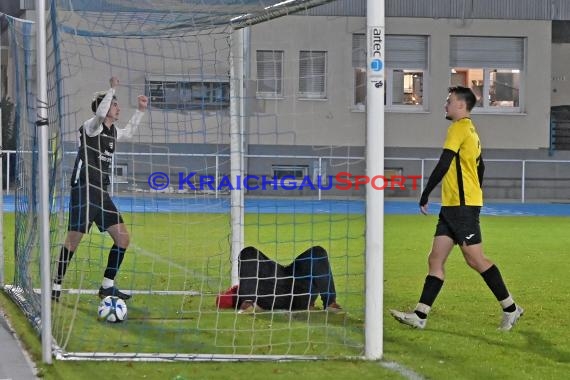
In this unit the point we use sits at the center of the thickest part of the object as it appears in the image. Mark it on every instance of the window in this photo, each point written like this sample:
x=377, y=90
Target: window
x=312, y=74
x=269, y=73
x=407, y=88
x=359, y=68
x=297, y=171
x=120, y=173
x=491, y=67
x=406, y=67
x=187, y=94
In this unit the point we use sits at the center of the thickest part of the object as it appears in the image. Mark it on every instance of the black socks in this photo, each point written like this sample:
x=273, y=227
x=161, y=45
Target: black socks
x=114, y=261
x=432, y=286
x=65, y=256
x=494, y=281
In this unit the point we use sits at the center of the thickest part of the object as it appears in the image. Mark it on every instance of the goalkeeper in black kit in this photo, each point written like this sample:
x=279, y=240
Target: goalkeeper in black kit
x=267, y=285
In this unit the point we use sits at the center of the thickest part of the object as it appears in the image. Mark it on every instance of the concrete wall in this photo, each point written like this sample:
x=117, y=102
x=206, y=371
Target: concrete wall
x=88, y=63
x=334, y=121
x=327, y=121
x=528, y=130
x=560, y=94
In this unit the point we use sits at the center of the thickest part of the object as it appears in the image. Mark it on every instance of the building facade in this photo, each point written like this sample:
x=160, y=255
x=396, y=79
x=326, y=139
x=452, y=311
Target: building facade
x=305, y=88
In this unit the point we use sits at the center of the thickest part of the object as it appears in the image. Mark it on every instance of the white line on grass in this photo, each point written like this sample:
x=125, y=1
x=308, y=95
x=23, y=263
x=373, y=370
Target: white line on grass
x=131, y=291
x=400, y=369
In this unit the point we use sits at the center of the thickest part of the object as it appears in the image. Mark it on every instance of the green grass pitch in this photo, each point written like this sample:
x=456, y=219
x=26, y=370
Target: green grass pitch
x=460, y=341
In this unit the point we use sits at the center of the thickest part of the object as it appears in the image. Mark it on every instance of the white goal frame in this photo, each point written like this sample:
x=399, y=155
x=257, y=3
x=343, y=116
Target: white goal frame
x=374, y=199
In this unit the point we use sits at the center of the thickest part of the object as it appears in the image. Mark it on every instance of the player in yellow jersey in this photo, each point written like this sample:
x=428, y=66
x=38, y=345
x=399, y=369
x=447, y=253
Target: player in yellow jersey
x=461, y=168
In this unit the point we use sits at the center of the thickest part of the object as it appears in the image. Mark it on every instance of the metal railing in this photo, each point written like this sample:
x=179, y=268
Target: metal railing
x=517, y=177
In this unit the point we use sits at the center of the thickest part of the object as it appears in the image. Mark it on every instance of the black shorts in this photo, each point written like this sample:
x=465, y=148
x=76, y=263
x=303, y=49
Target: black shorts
x=89, y=204
x=461, y=223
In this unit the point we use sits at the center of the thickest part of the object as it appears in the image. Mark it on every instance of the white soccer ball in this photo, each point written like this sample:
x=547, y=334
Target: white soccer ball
x=112, y=309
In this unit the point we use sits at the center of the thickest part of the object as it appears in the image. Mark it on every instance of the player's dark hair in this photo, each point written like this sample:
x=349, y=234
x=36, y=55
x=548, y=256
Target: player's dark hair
x=465, y=94
x=97, y=100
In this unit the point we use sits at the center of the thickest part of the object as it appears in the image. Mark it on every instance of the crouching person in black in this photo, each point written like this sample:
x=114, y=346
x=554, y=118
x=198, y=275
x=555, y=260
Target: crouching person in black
x=267, y=285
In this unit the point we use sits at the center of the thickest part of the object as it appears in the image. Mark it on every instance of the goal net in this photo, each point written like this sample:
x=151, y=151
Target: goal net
x=241, y=145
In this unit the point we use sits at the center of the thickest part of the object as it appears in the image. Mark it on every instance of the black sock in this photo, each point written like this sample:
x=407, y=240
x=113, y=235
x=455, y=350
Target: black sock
x=65, y=256
x=494, y=281
x=420, y=314
x=432, y=286
x=114, y=261
x=511, y=308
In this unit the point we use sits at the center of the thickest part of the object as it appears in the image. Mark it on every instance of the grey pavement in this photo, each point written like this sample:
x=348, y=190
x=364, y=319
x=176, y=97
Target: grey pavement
x=15, y=363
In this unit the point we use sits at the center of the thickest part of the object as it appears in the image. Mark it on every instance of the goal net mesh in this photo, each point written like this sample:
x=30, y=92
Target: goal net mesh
x=172, y=179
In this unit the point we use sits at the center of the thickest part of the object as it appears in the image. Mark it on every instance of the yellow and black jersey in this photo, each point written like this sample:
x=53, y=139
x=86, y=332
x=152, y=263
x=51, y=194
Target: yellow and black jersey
x=461, y=184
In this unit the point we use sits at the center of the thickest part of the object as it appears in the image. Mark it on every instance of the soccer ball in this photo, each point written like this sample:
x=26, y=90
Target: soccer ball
x=112, y=309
